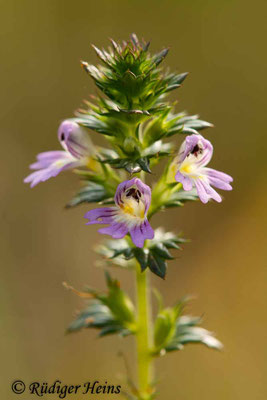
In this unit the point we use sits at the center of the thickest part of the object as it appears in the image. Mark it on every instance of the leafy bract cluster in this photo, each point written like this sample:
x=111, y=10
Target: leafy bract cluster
x=154, y=256
x=111, y=312
x=114, y=313
x=132, y=111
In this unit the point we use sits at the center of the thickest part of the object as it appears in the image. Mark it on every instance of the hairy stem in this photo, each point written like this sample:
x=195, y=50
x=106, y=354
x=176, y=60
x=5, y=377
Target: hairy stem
x=144, y=334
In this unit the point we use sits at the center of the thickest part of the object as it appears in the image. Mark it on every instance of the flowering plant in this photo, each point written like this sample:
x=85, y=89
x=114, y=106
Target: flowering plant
x=133, y=114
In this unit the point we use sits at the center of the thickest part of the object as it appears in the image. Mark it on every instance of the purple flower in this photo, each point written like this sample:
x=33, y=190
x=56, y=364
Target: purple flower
x=78, y=149
x=194, y=154
x=132, y=199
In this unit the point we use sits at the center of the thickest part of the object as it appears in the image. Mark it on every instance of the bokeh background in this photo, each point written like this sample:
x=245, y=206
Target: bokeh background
x=223, y=46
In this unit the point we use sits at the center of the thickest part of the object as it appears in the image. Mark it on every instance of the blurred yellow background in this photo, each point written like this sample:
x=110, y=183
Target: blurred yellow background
x=223, y=46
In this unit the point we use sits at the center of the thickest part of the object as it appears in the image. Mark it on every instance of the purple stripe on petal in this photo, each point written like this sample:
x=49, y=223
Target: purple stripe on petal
x=211, y=192
x=205, y=158
x=137, y=236
x=102, y=221
x=140, y=233
x=192, y=142
x=119, y=191
x=202, y=194
x=75, y=139
x=220, y=184
x=116, y=230
x=148, y=231
x=100, y=215
x=189, y=143
x=219, y=175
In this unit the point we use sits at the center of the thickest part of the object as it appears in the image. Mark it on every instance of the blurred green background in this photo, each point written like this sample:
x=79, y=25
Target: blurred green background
x=223, y=46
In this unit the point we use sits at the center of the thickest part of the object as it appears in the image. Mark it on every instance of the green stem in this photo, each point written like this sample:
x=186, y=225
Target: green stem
x=144, y=335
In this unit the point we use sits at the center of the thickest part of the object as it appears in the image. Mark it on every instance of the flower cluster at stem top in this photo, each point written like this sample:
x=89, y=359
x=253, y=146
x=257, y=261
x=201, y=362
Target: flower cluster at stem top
x=132, y=197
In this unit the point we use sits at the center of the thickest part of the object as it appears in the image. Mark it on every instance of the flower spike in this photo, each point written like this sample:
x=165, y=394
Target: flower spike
x=194, y=154
x=132, y=201
x=78, y=150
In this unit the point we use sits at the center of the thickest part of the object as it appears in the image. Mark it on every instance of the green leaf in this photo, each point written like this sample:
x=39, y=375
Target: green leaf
x=158, y=149
x=188, y=331
x=144, y=164
x=111, y=312
x=189, y=131
x=193, y=121
x=186, y=124
x=118, y=302
x=173, y=330
x=153, y=256
x=109, y=330
x=156, y=264
x=118, y=252
x=126, y=252
x=141, y=257
x=157, y=251
x=130, y=165
x=180, y=77
x=96, y=315
x=158, y=58
x=161, y=250
x=164, y=327
x=167, y=239
x=181, y=196
x=91, y=193
x=94, y=123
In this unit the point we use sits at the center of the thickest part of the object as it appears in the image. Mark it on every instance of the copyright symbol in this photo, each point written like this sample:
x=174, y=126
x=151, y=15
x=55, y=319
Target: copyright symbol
x=18, y=387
